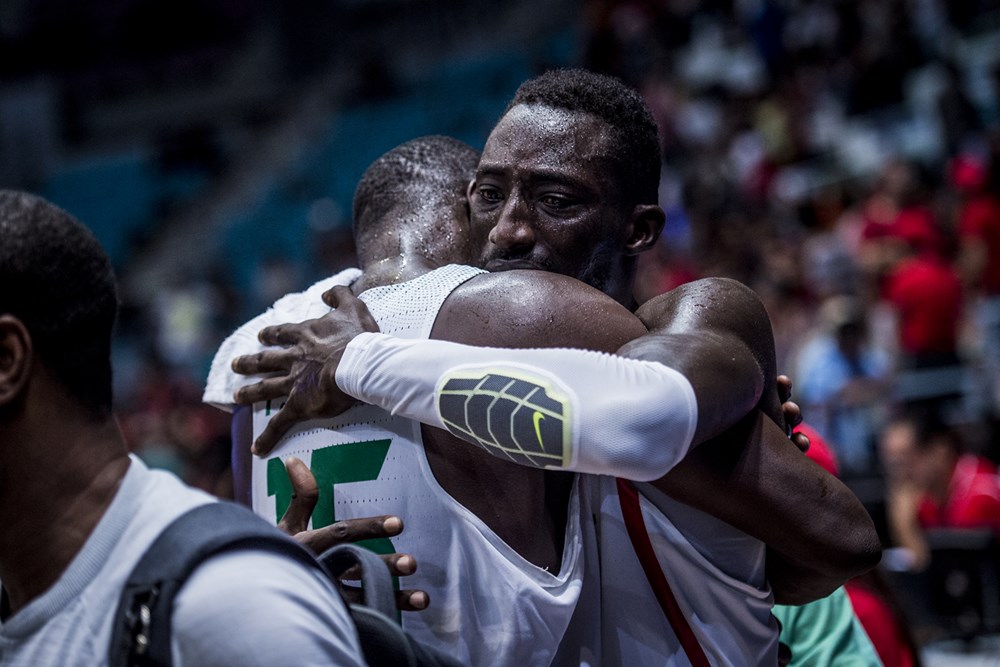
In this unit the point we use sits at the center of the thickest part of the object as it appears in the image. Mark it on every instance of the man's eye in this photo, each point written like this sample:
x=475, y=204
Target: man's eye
x=555, y=201
x=491, y=195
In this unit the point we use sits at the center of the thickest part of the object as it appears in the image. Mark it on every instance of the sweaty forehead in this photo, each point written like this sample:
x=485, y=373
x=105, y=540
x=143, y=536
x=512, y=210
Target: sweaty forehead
x=547, y=138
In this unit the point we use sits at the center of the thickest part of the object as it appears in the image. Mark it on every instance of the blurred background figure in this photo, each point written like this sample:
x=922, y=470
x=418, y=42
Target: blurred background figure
x=875, y=603
x=934, y=482
x=820, y=151
x=839, y=376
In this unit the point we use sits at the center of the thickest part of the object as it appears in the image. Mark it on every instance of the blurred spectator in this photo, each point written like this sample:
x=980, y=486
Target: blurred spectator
x=978, y=186
x=883, y=619
x=959, y=489
x=871, y=596
x=925, y=293
x=828, y=262
x=932, y=482
x=839, y=377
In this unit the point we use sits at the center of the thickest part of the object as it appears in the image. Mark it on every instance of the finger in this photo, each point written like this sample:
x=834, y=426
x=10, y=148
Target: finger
x=406, y=599
x=275, y=430
x=354, y=530
x=412, y=600
x=784, y=388
x=792, y=412
x=281, y=334
x=266, y=390
x=361, y=314
x=305, y=494
x=343, y=299
x=338, y=295
x=267, y=361
x=399, y=565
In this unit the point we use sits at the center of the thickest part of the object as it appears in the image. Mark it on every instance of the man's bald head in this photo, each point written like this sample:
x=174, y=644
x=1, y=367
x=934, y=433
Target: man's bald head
x=416, y=189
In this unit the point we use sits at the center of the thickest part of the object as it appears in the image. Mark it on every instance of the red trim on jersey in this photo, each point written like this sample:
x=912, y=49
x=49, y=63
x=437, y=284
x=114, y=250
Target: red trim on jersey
x=636, y=526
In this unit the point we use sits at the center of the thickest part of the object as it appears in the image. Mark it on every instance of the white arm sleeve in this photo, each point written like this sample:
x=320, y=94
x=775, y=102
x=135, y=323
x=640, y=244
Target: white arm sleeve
x=547, y=408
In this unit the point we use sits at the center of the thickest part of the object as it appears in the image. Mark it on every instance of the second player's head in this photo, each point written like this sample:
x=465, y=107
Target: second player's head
x=58, y=294
x=414, y=195
x=568, y=181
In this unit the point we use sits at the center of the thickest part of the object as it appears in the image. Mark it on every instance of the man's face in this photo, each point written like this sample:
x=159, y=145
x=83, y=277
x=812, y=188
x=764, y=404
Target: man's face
x=897, y=448
x=545, y=196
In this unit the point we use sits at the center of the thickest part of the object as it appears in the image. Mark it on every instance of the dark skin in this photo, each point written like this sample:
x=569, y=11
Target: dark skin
x=296, y=519
x=542, y=200
x=501, y=310
x=47, y=516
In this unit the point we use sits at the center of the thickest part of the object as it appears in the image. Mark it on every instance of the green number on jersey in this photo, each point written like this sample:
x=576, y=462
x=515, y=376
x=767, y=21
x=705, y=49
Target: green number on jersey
x=336, y=464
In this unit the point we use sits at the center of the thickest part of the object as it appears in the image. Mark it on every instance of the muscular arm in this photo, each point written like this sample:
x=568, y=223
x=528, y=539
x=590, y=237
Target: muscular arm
x=818, y=534
x=519, y=309
x=746, y=471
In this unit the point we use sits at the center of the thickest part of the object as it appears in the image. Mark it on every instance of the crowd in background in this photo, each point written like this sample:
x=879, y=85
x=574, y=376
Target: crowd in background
x=841, y=158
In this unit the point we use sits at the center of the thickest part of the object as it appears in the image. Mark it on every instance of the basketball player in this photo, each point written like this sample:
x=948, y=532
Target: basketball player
x=613, y=282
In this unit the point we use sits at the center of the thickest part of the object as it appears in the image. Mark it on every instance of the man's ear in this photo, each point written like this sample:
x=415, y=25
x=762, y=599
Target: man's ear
x=644, y=228
x=15, y=358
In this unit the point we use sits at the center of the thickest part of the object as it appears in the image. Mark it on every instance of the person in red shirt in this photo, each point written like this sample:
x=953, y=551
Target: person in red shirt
x=932, y=483
x=978, y=226
x=926, y=293
x=873, y=600
x=978, y=186
x=960, y=490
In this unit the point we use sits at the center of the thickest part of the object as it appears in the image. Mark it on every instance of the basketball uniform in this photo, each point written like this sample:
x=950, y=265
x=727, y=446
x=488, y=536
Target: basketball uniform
x=488, y=605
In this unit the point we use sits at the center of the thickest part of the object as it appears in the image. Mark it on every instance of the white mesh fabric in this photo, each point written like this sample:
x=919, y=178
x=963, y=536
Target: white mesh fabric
x=401, y=310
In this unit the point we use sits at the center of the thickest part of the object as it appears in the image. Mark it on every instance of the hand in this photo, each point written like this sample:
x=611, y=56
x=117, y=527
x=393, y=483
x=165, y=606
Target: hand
x=296, y=518
x=792, y=413
x=306, y=366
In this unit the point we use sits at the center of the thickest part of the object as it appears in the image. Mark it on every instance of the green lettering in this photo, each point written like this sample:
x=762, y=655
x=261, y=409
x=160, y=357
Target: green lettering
x=332, y=465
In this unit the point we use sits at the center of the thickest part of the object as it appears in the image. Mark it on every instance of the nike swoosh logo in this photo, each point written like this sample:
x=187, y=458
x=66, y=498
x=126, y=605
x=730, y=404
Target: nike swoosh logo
x=537, y=419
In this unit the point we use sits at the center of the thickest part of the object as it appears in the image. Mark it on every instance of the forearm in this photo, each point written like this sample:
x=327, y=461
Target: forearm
x=726, y=379
x=755, y=479
x=717, y=333
x=551, y=408
x=904, y=527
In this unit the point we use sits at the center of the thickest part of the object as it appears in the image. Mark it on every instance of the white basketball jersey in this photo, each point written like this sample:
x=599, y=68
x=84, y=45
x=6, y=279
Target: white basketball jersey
x=488, y=606
x=716, y=574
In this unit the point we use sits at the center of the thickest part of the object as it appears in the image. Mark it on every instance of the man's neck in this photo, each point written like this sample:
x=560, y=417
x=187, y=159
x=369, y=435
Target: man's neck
x=391, y=271
x=52, y=496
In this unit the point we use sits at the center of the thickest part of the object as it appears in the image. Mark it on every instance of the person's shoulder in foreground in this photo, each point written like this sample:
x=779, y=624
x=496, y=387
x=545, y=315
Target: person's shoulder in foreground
x=70, y=537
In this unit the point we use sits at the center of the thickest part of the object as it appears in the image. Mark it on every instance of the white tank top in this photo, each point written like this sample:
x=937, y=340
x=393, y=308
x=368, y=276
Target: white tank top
x=715, y=571
x=488, y=605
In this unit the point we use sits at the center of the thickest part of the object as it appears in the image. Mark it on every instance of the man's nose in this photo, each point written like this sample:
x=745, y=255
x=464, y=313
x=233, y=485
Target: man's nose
x=513, y=228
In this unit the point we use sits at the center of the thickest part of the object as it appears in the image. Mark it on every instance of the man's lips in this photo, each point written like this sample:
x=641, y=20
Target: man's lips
x=512, y=264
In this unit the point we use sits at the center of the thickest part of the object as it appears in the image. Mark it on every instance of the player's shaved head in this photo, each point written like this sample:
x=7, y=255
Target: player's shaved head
x=58, y=281
x=419, y=184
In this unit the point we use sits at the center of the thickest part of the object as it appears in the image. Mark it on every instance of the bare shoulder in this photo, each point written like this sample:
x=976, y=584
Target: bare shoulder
x=534, y=309
x=719, y=304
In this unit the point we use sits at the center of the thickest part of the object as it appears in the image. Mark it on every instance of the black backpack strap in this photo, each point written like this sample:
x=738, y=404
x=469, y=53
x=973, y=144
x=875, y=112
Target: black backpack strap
x=141, y=631
x=383, y=642
x=376, y=582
